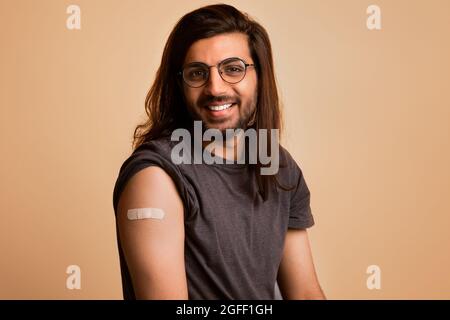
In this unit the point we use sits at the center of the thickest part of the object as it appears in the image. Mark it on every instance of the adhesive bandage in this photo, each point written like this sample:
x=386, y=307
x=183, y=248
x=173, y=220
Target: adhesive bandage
x=145, y=213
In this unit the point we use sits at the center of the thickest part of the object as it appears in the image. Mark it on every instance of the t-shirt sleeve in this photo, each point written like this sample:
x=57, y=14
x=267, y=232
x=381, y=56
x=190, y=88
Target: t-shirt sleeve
x=300, y=215
x=154, y=155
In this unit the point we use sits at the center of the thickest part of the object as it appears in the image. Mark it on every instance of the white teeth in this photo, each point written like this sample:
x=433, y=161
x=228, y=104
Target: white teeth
x=222, y=107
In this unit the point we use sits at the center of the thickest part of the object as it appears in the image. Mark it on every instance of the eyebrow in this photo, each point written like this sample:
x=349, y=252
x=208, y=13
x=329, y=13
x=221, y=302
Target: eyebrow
x=202, y=63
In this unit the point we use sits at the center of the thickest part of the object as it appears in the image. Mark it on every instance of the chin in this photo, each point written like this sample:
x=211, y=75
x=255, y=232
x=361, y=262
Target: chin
x=222, y=126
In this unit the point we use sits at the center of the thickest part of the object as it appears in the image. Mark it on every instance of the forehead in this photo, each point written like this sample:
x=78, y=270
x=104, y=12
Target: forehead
x=215, y=49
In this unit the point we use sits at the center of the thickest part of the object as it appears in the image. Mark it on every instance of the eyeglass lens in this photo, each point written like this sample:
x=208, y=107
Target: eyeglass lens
x=231, y=71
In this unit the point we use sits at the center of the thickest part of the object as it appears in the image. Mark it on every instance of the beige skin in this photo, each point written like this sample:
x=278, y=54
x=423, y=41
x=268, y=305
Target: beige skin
x=154, y=249
x=211, y=51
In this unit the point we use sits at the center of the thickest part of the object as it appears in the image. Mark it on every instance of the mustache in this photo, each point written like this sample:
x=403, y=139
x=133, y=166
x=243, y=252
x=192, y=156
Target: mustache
x=206, y=100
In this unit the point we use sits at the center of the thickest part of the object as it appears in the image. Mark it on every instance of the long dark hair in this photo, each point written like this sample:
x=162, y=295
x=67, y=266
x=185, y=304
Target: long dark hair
x=164, y=103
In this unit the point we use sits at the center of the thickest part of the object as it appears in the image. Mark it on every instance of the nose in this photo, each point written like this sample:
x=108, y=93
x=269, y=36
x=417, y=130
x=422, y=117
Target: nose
x=215, y=86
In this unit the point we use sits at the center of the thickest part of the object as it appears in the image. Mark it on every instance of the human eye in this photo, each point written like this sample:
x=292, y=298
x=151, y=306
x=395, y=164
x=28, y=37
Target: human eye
x=196, y=73
x=234, y=67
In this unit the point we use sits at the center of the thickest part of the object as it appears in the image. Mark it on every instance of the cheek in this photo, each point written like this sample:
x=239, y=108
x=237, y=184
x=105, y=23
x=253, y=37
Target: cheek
x=190, y=96
x=247, y=90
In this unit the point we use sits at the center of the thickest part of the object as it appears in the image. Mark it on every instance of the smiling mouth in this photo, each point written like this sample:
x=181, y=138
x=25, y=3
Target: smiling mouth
x=221, y=107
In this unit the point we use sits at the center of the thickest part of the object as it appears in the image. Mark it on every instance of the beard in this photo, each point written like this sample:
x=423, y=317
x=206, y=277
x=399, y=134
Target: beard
x=246, y=114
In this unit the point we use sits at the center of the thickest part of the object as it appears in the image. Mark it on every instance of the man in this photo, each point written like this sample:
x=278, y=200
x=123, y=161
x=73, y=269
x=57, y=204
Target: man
x=213, y=231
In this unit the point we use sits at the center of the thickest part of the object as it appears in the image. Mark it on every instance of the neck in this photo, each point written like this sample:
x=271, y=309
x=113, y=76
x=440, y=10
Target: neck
x=230, y=149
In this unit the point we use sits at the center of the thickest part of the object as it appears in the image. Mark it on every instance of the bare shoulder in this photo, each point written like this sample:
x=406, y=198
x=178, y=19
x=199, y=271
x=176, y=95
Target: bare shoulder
x=153, y=247
x=149, y=185
x=151, y=188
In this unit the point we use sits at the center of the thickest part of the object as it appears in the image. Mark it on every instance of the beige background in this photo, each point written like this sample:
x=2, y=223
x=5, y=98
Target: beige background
x=367, y=119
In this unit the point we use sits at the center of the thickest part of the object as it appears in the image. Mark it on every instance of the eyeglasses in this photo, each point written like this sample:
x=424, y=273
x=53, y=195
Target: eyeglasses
x=231, y=70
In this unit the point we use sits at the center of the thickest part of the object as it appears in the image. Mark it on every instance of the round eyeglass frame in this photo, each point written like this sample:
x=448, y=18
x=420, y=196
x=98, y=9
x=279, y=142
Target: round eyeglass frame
x=246, y=65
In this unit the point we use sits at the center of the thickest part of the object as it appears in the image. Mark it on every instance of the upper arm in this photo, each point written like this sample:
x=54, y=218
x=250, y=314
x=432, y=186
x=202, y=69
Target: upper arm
x=154, y=248
x=297, y=277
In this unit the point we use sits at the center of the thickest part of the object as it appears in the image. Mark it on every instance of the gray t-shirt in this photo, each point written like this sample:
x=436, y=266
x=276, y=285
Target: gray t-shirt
x=233, y=239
